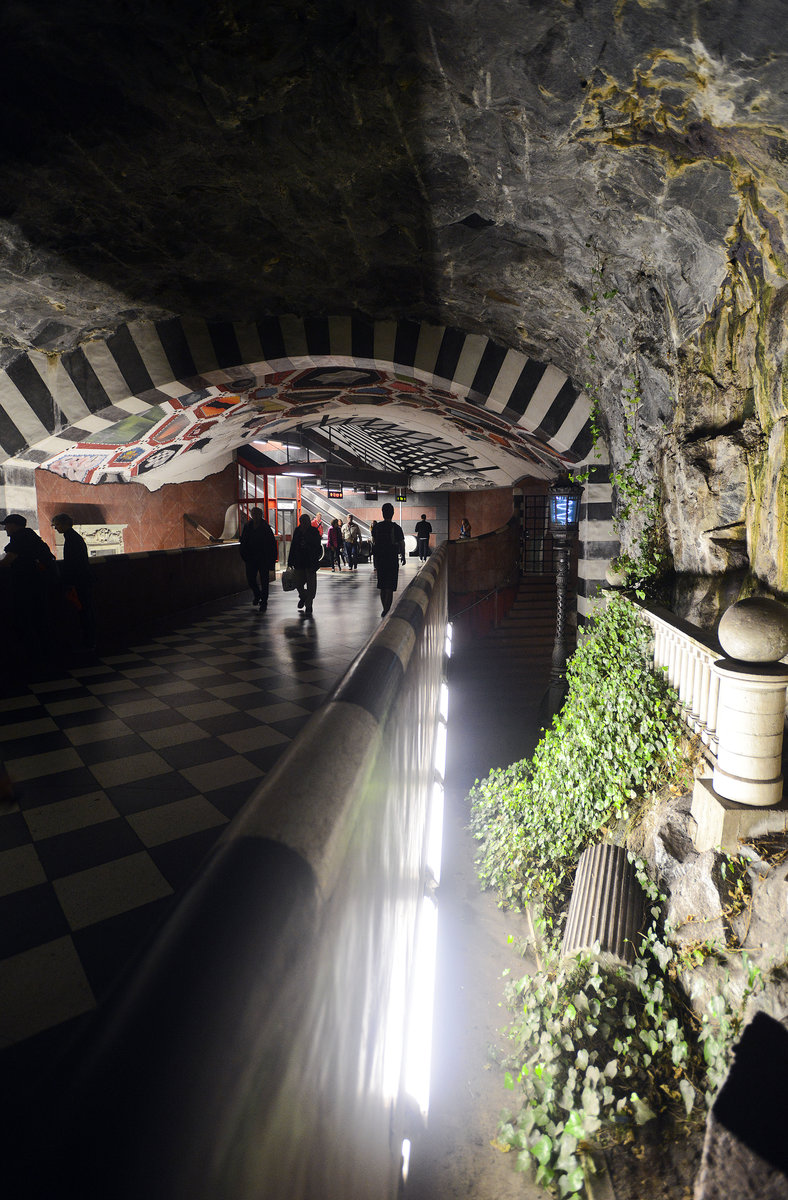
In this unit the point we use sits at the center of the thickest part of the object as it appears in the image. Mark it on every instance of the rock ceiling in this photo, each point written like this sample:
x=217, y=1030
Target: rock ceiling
x=589, y=186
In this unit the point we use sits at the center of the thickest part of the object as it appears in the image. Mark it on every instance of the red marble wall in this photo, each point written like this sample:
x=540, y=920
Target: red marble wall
x=486, y=511
x=153, y=520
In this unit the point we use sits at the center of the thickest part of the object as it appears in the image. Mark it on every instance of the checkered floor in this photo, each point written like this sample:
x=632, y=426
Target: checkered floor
x=127, y=770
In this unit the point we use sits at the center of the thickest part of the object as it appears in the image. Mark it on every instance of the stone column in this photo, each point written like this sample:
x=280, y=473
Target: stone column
x=747, y=776
x=750, y=721
x=751, y=714
x=606, y=908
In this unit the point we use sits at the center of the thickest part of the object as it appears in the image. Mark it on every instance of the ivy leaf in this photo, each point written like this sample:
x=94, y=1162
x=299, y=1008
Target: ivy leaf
x=643, y=1113
x=542, y=1150
x=687, y=1094
x=566, y=1160
x=571, y=1183
x=574, y=1124
x=590, y=1102
x=524, y=1161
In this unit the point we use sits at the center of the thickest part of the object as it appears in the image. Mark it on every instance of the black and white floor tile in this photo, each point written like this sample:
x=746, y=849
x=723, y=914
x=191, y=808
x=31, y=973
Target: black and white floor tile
x=127, y=769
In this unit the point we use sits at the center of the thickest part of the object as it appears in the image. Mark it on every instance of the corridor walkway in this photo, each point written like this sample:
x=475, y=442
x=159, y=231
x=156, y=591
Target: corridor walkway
x=127, y=769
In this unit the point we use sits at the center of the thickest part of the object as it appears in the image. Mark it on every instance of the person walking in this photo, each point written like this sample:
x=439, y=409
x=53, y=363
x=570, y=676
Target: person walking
x=74, y=570
x=388, y=550
x=335, y=544
x=306, y=551
x=423, y=530
x=351, y=536
x=259, y=552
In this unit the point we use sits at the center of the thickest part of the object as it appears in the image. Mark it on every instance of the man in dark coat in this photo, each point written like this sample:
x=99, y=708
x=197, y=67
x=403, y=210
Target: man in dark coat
x=388, y=550
x=306, y=551
x=259, y=552
x=30, y=569
x=423, y=530
x=75, y=573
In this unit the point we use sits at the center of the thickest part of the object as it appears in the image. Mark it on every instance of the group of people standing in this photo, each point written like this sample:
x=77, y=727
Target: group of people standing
x=343, y=543
x=39, y=592
x=259, y=552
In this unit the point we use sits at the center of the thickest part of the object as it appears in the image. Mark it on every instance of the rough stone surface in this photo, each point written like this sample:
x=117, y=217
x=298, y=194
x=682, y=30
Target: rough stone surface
x=600, y=186
x=729, y=1168
x=721, y=908
x=755, y=630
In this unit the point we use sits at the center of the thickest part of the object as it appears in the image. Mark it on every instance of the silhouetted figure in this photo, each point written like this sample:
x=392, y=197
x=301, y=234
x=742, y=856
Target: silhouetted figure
x=306, y=551
x=259, y=552
x=30, y=571
x=388, y=550
x=423, y=530
x=74, y=570
x=7, y=793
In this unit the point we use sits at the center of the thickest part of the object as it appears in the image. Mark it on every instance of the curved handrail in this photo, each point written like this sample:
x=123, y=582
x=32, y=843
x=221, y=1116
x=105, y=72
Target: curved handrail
x=257, y=1048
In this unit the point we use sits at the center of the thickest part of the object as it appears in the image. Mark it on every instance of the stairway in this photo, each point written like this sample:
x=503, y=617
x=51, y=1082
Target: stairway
x=529, y=626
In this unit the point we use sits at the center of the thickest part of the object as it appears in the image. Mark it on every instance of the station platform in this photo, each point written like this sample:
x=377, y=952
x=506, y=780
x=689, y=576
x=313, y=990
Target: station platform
x=126, y=768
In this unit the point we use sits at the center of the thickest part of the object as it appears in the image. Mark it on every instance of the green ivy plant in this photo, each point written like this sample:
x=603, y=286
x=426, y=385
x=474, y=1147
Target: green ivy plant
x=598, y=1052
x=618, y=734
x=638, y=499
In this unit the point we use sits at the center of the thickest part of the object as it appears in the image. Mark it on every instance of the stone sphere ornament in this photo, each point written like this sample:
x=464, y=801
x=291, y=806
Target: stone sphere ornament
x=755, y=630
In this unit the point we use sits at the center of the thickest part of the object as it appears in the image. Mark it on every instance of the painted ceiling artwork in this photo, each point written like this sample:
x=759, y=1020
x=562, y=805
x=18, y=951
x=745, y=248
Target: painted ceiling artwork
x=430, y=430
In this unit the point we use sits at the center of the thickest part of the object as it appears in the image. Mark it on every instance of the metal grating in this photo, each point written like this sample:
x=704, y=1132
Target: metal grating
x=383, y=444
x=538, y=556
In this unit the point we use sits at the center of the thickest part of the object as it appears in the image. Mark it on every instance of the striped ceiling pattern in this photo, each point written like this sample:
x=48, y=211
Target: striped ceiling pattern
x=49, y=403
x=396, y=448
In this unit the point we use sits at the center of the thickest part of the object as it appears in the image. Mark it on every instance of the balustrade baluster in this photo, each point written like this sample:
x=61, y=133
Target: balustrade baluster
x=683, y=669
x=673, y=656
x=711, y=721
x=696, y=682
x=703, y=703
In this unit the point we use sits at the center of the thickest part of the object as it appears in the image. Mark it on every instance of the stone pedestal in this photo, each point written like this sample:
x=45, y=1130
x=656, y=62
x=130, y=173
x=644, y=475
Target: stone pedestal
x=750, y=721
x=724, y=824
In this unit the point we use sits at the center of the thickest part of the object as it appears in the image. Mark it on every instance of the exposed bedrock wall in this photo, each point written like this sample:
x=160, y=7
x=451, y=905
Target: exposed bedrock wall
x=153, y=520
x=724, y=466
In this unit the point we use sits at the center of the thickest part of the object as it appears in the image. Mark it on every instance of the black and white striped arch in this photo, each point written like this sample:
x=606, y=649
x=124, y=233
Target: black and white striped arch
x=46, y=399
x=48, y=402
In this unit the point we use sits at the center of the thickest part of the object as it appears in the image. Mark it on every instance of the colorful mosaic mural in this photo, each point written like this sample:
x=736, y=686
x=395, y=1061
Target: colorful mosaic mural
x=218, y=419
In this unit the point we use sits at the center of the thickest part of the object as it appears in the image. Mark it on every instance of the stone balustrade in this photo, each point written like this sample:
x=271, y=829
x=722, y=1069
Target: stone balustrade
x=733, y=694
x=687, y=655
